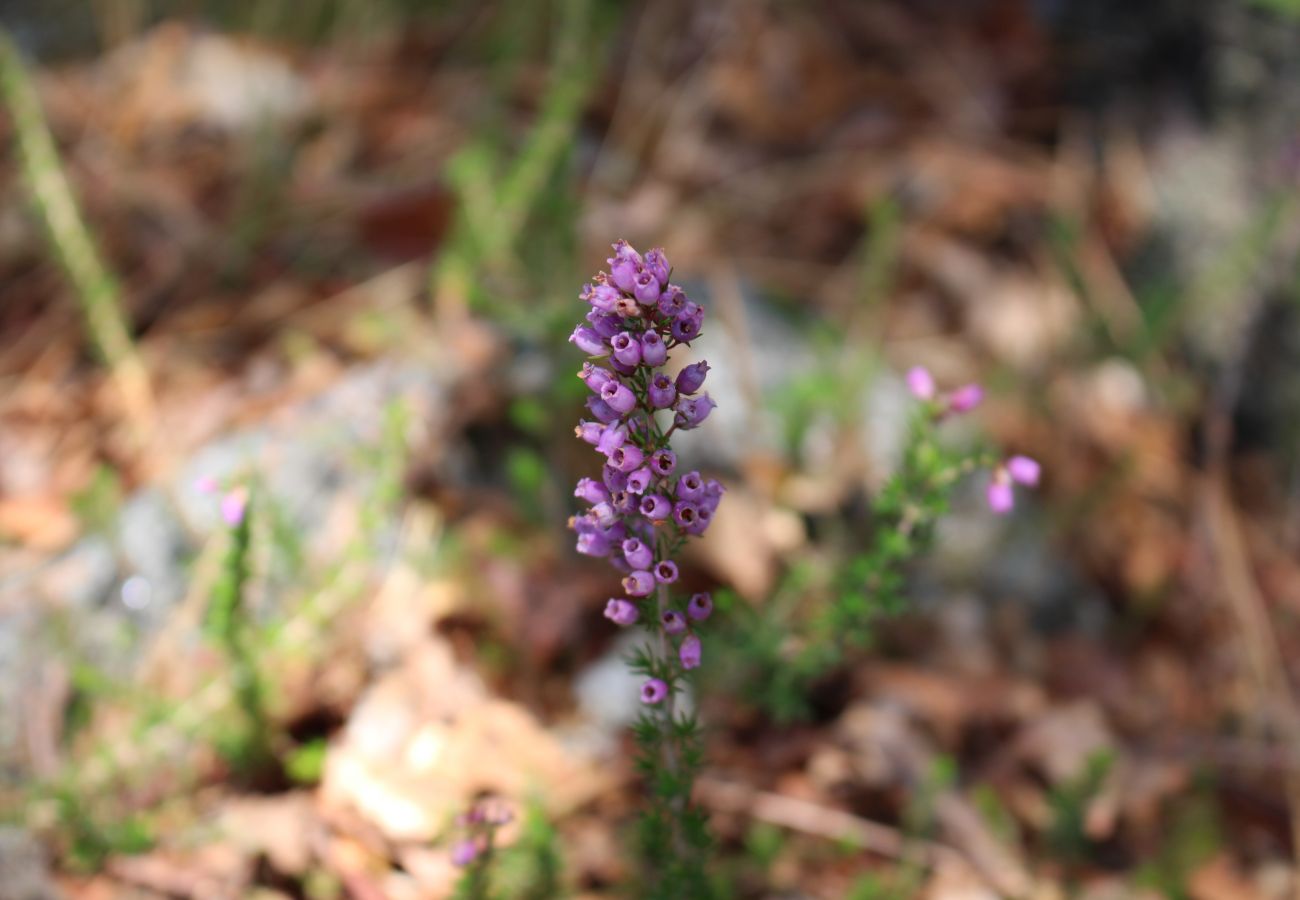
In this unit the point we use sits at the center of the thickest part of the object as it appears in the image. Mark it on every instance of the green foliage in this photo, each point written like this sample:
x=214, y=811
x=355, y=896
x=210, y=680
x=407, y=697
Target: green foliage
x=308, y=22
x=1289, y=8
x=90, y=841
x=1195, y=835
x=995, y=813
x=763, y=843
x=1067, y=837
x=510, y=188
x=528, y=475
x=245, y=744
x=812, y=395
x=97, y=504
x=386, y=459
x=70, y=240
x=900, y=883
x=305, y=764
x=814, y=619
x=532, y=868
x=919, y=819
x=476, y=882
x=674, y=840
x=531, y=416
x=322, y=884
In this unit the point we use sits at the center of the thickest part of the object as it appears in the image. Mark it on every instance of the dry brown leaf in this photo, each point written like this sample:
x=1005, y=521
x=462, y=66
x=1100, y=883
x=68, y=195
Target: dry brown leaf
x=744, y=555
x=282, y=828
x=41, y=522
x=1221, y=879
x=427, y=738
x=213, y=872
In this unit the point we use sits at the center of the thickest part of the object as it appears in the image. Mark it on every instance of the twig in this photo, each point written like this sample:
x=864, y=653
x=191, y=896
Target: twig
x=810, y=818
x=1245, y=600
x=70, y=239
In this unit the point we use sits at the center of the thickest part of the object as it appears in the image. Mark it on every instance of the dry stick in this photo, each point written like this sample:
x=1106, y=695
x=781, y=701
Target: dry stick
x=70, y=239
x=1256, y=629
x=810, y=818
x=1227, y=544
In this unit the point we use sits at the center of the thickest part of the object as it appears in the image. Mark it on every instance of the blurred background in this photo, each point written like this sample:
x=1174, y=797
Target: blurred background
x=326, y=255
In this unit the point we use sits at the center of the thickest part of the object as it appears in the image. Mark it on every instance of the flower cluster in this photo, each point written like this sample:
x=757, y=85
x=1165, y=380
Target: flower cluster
x=1016, y=469
x=641, y=510
x=1020, y=469
x=234, y=502
x=480, y=824
x=965, y=398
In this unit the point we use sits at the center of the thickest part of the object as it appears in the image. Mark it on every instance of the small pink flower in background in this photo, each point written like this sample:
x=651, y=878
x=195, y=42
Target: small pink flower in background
x=654, y=691
x=1024, y=470
x=965, y=398
x=206, y=484
x=921, y=383
x=464, y=852
x=1017, y=470
x=233, y=506
x=1000, y=497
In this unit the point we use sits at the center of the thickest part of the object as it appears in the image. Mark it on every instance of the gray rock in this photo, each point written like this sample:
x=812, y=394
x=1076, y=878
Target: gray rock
x=156, y=548
x=102, y=601
x=24, y=870
x=608, y=699
x=773, y=354
x=776, y=354
x=82, y=578
x=310, y=454
x=1010, y=560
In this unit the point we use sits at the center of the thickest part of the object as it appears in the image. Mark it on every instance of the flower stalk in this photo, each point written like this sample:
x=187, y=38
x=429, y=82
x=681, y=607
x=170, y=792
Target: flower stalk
x=640, y=515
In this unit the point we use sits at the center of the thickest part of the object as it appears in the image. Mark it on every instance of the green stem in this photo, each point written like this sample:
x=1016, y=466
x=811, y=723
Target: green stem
x=69, y=238
x=670, y=704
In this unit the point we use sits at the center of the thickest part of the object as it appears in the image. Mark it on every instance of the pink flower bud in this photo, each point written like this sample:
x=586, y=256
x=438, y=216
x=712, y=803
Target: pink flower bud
x=234, y=505
x=689, y=652
x=965, y=398
x=921, y=383
x=1000, y=496
x=1024, y=470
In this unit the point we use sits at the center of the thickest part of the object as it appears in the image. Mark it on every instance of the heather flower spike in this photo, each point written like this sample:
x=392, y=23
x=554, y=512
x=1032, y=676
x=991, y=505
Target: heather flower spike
x=641, y=512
